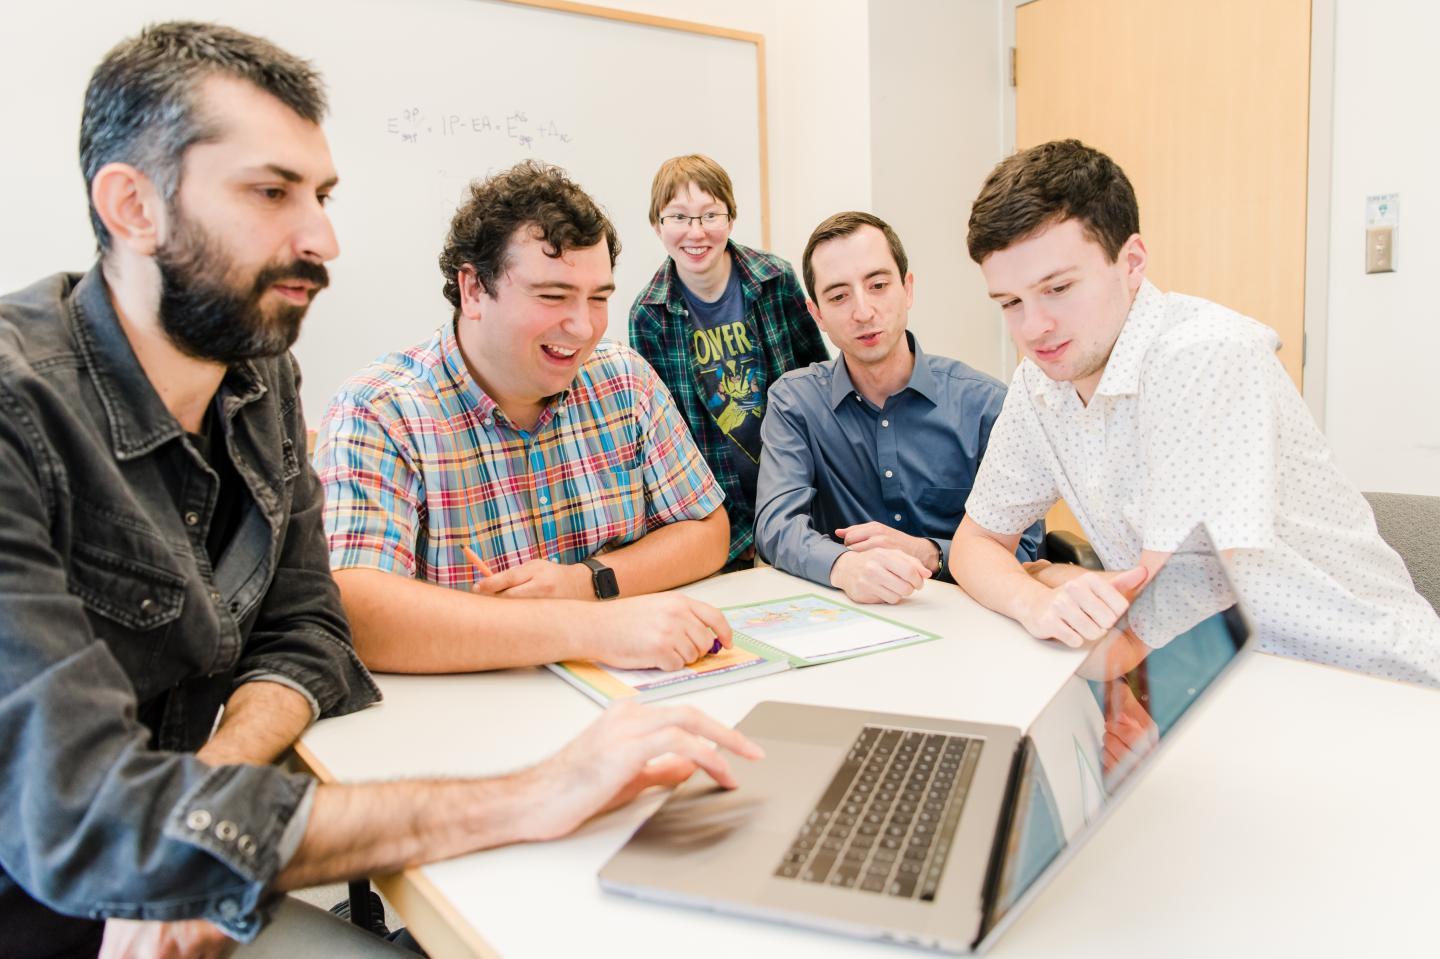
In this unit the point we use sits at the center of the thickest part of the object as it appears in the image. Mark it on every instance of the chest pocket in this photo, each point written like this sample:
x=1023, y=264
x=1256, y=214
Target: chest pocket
x=944, y=501
x=122, y=581
x=619, y=504
x=607, y=506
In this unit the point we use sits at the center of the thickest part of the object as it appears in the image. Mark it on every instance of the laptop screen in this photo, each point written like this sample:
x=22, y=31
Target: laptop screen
x=1110, y=717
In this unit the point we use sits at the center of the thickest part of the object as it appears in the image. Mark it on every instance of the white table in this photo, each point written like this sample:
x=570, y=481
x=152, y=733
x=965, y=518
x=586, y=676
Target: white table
x=1298, y=815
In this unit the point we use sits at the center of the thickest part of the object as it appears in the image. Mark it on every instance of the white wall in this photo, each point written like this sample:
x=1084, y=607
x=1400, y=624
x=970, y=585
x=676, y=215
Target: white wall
x=935, y=83
x=818, y=95
x=1383, y=384
x=882, y=108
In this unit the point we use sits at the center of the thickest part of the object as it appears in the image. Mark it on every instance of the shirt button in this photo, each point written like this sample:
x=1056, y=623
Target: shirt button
x=198, y=819
x=229, y=908
x=226, y=831
x=544, y=500
x=889, y=473
x=246, y=845
x=214, y=596
x=192, y=518
x=884, y=422
x=147, y=604
x=897, y=517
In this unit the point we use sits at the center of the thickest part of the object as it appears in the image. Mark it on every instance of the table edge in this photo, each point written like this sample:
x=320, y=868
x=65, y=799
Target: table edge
x=431, y=917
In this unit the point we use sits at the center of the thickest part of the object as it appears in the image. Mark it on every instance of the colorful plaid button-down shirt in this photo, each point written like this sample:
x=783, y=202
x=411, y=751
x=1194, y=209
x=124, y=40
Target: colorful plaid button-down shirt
x=418, y=461
x=788, y=337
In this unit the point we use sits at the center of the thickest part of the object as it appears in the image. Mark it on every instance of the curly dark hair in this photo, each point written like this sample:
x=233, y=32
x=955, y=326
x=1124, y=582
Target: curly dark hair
x=1059, y=180
x=529, y=194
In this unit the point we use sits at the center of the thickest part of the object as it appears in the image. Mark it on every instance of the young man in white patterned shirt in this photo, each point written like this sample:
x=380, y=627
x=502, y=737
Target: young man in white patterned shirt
x=1150, y=412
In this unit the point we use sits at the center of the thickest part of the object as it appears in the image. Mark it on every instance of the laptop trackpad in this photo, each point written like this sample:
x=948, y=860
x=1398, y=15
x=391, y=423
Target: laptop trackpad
x=705, y=839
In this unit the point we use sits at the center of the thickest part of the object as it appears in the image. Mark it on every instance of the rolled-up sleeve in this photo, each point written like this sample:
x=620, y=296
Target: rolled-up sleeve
x=98, y=824
x=784, y=533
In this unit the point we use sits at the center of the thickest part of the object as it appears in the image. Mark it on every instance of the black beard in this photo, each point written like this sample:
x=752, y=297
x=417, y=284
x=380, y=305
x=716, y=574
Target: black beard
x=206, y=317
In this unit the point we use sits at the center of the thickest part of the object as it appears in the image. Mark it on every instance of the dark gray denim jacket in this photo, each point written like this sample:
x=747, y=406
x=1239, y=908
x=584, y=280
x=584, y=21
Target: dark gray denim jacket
x=108, y=602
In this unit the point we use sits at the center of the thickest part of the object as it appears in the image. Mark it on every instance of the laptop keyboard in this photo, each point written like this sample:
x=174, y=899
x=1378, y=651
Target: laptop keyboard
x=886, y=822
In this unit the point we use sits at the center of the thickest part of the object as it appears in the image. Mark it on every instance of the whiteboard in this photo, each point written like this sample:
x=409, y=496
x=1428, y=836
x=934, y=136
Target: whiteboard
x=424, y=96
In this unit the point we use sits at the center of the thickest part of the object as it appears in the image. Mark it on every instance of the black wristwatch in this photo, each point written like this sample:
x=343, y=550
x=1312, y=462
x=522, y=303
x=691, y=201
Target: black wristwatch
x=939, y=557
x=602, y=577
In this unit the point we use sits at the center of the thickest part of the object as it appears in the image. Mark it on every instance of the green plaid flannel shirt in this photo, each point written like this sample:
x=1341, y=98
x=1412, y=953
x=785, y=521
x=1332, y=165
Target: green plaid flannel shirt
x=774, y=308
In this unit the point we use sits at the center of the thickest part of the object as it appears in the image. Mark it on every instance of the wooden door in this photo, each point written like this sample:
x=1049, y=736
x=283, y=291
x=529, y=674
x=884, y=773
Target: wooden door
x=1204, y=103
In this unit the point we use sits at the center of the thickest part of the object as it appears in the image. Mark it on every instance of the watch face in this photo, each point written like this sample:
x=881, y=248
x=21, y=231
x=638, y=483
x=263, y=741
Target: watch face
x=604, y=579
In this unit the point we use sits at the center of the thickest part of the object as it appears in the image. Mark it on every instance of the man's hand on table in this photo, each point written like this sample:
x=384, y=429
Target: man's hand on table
x=664, y=630
x=878, y=575
x=867, y=536
x=660, y=630
x=1079, y=607
x=187, y=939
x=538, y=579
x=626, y=751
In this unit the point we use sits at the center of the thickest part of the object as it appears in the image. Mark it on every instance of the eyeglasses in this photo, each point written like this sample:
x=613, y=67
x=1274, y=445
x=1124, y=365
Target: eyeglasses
x=708, y=221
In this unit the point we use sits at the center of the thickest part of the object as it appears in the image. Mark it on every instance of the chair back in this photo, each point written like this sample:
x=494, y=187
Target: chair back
x=1411, y=525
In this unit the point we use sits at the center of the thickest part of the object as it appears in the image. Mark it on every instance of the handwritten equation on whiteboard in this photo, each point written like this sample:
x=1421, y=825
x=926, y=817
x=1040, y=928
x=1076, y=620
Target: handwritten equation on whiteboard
x=415, y=125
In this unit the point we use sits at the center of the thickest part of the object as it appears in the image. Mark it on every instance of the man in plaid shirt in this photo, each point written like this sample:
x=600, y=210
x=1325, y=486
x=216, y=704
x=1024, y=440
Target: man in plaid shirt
x=501, y=456
x=720, y=323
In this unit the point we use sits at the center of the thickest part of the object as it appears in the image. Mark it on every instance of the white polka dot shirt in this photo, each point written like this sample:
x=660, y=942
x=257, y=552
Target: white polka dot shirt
x=1195, y=420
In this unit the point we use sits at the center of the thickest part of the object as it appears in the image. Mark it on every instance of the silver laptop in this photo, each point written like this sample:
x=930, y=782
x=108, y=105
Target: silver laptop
x=934, y=832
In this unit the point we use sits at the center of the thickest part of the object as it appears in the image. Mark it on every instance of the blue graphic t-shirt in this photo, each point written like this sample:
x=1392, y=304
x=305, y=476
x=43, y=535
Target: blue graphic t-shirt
x=727, y=364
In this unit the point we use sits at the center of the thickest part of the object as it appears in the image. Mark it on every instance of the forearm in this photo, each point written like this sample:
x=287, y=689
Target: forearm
x=787, y=539
x=401, y=625
x=1053, y=574
x=261, y=720
x=673, y=555
x=785, y=533
x=384, y=827
x=991, y=574
x=361, y=830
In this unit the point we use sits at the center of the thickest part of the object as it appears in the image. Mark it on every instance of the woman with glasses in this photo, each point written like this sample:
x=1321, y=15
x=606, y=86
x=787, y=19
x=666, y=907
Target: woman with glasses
x=720, y=322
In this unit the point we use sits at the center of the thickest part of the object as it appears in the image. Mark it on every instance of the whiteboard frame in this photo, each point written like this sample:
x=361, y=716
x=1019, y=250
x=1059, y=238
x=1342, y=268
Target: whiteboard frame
x=688, y=26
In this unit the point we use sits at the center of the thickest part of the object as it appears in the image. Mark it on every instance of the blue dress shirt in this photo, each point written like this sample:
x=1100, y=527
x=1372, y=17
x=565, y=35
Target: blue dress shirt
x=830, y=458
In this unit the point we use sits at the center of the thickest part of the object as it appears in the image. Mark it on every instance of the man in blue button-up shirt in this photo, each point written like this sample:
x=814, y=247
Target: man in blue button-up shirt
x=867, y=459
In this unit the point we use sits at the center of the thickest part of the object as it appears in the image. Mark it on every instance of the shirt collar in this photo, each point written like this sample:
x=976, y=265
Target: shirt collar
x=139, y=420
x=1143, y=324
x=922, y=378
x=484, y=408
x=753, y=269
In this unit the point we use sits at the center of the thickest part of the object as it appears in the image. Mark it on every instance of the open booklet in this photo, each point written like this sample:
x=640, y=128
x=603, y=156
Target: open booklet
x=770, y=637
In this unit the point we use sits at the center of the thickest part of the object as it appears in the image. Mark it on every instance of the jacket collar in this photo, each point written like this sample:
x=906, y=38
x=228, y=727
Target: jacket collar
x=138, y=419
